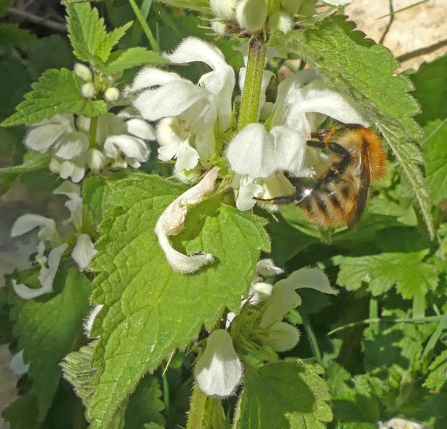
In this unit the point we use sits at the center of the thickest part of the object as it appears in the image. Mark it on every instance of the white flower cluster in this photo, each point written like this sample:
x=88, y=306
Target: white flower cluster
x=219, y=369
x=82, y=252
x=119, y=141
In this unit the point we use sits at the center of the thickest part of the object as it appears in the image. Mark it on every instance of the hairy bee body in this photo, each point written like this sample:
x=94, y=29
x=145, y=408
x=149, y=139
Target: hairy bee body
x=338, y=195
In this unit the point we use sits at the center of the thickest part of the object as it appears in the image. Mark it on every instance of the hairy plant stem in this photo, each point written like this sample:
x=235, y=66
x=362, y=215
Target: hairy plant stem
x=253, y=81
x=92, y=132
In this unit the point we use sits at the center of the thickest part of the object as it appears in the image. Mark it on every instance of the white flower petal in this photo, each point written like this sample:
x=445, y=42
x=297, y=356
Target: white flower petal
x=267, y=268
x=171, y=223
x=218, y=370
x=150, y=77
x=72, y=145
x=187, y=157
x=252, y=152
x=95, y=160
x=260, y=292
x=248, y=189
x=74, y=205
x=282, y=336
x=290, y=148
x=141, y=129
x=312, y=278
x=25, y=223
x=224, y=9
x=84, y=251
x=74, y=169
x=132, y=147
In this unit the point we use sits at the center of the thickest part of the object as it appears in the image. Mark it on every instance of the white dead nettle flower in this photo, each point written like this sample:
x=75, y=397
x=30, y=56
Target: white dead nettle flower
x=88, y=90
x=267, y=268
x=400, y=424
x=171, y=223
x=74, y=204
x=303, y=103
x=224, y=9
x=280, y=335
x=84, y=251
x=112, y=94
x=46, y=276
x=251, y=14
x=187, y=113
x=218, y=370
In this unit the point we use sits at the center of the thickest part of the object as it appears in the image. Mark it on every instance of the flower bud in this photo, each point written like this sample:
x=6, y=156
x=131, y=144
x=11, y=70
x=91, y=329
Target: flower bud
x=83, y=72
x=88, y=90
x=251, y=14
x=281, y=21
x=112, y=94
x=218, y=27
x=282, y=336
x=224, y=9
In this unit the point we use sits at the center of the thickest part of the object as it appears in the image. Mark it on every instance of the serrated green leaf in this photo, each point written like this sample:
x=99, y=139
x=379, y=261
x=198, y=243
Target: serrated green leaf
x=437, y=377
x=88, y=35
x=431, y=91
x=133, y=57
x=381, y=272
x=47, y=329
x=435, y=152
x=32, y=161
x=356, y=425
x=150, y=310
x=57, y=91
x=145, y=405
x=284, y=395
x=197, y=5
x=357, y=67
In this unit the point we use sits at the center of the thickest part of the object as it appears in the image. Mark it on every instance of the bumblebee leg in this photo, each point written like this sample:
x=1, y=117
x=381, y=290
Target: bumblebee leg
x=302, y=190
x=339, y=167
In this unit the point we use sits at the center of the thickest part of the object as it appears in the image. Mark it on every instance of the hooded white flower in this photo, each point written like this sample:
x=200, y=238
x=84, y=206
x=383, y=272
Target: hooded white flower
x=218, y=370
x=74, y=205
x=188, y=112
x=171, y=223
x=84, y=251
x=303, y=103
x=46, y=276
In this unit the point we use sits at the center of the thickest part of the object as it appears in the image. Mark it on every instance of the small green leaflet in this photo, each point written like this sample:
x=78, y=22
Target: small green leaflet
x=357, y=67
x=202, y=6
x=150, y=310
x=435, y=151
x=57, y=91
x=48, y=328
x=381, y=272
x=437, y=378
x=133, y=57
x=88, y=35
x=284, y=395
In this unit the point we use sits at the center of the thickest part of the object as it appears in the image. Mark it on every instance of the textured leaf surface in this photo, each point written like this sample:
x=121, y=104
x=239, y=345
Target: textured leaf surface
x=48, y=328
x=198, y=5
x=284, y=395
x=88, y=35
x=437, y=378
x=133, y=57
x=381, y=272
x=435, y=151
x=57, y=91
x=357, y=67
x=150, y=309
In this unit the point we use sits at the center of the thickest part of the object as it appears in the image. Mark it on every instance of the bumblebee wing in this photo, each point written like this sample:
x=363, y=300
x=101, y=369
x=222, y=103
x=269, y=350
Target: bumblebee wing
x=356, y=212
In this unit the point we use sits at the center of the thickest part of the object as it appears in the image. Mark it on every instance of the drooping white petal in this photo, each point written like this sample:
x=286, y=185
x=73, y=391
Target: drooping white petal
x=46, y=276
x=260, y=291
x=149, y=77
x=74, y=169
x=312, y=278
x=248, y=190
x=95, y=160
x=267, y=268
x=252, y=152
x=171, y=223
x=187, y=157
x=84, y=251
x=283, y=299
x=18, y=365
x=141, y=129
x=73, y=192
x=25, y=223
x=218, y=370
x=282, y=336
x=132, y=147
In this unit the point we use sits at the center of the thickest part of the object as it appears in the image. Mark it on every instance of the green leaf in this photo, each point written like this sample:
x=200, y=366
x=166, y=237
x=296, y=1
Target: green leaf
x=48, y=328
x=435, y=152
x=4, y=6
x=437, y=378
x=150, y=310
x=197, y=5
x=381, y=272
x=88, y=35
x=431, y=91
x=284, y=395
x=57, y=91
x=133, y=57
x=357, y=67
x=32, y=161
x=12, y=36
x=145, y=405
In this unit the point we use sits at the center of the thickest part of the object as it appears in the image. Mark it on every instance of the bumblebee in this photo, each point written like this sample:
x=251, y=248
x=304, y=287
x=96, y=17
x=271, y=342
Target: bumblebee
x=338, y=193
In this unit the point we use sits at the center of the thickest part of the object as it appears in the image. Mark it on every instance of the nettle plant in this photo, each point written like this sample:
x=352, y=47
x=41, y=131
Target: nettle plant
x=159, y=277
